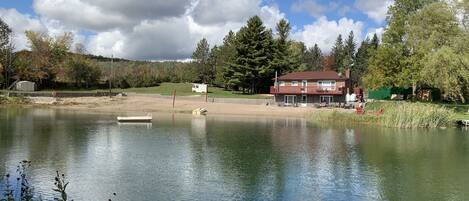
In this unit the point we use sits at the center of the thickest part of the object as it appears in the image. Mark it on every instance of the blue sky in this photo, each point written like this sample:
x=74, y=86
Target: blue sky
x=156, y=29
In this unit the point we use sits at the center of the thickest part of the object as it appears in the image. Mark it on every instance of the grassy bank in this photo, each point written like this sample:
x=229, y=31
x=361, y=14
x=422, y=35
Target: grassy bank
x=185, y=89
x=396, y=114
x=13, y=100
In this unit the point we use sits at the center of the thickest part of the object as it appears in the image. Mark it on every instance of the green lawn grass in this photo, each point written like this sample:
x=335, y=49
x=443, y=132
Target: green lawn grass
x=166, y=88
x=185, y=89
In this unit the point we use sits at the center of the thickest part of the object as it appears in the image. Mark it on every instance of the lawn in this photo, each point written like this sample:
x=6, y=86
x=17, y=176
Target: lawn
x=185, y=89
x=166, y=88
x=462, y=111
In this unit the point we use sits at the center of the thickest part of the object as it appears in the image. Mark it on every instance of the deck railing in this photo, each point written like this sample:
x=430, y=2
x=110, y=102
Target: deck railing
x=305, y=90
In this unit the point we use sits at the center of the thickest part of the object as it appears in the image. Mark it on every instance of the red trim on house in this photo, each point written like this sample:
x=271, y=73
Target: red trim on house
x=312, y=75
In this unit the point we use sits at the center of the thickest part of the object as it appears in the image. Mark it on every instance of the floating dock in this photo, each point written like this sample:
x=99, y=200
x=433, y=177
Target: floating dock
x=147, y=118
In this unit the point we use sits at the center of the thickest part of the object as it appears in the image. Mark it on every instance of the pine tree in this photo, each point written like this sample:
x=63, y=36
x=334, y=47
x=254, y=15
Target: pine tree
x=375, y=41
x=227, y=55
x=281, y=56
x=361, y=59
x=361, y=62
x=314, y=58
x=251, y=68
x=338, y=53
x=349, y=53
x=296, y=56
x=201, y=61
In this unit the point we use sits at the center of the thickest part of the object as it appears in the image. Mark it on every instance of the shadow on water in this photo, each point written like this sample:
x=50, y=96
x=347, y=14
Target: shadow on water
x=181, y=157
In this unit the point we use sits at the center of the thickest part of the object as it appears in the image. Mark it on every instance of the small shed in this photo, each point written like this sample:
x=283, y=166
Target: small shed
x=25, y=86
x=199, y=88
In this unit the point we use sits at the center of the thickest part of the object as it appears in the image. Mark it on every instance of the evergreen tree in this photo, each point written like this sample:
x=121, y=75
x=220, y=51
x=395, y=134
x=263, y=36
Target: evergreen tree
x=314, y=59
x=349, y=53
x=338, y=53
x=251, y=68
x=281, y=61
x=225, y=57
x=360, y=66
x=297, y=53
x=374, y=41
x=201, y=61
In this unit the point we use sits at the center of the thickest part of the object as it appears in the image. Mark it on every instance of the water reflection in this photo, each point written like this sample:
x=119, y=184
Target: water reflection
x=180, y=157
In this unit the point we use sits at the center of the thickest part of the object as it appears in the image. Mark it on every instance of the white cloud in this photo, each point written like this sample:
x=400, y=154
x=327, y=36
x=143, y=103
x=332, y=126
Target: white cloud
x=270, y=15
x=161, y=29
x=19, y=23
x=378, y=31
x=324, y=32
x=219, y=12
x=78, y=14
x=107, y=44
x=312, y=7
x=374, y=9
x=103, y=15
x=151, y=29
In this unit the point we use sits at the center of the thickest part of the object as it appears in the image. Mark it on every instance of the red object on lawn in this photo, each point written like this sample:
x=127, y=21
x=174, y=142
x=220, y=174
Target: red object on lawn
x=359, y=111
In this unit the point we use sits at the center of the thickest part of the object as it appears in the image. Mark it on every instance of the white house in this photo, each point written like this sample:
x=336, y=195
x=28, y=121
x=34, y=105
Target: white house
x=199, y=88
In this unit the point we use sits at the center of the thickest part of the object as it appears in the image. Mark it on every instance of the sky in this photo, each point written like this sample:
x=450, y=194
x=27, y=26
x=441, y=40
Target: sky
x=170, y=29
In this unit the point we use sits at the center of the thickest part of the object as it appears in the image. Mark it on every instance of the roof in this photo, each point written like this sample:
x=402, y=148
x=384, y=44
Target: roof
x=313, y=75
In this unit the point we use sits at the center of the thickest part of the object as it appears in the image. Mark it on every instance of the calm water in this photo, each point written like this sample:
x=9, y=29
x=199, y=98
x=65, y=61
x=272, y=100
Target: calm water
x=179, y=157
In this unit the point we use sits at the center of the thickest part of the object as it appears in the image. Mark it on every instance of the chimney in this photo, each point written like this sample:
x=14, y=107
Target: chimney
x=347, y=73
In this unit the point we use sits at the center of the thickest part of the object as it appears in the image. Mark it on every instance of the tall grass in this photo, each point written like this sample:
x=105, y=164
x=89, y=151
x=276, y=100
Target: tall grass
x=396, y=114
x=416, y=115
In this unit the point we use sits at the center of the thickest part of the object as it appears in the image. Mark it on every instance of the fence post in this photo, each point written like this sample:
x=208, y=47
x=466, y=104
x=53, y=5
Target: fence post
x=174, y=97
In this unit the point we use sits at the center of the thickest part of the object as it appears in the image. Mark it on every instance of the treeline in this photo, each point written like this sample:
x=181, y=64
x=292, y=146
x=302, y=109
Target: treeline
x=48, y=63
x=53, y=63
x=425, y=45
x=248, y=60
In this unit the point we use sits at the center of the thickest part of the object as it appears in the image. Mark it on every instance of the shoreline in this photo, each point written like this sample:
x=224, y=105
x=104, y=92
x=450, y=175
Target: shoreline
x=138, y=105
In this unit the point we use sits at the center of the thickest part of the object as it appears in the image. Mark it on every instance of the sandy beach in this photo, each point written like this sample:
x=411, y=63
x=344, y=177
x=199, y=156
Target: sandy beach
x=137, y=105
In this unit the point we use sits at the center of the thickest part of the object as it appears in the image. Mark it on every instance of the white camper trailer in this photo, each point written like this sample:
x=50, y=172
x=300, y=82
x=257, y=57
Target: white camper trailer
x=199, y=88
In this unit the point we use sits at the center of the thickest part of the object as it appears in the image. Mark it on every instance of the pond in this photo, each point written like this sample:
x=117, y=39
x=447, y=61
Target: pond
x=181, y=157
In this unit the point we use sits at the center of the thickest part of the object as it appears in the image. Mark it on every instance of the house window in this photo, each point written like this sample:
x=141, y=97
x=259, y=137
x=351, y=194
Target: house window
x=294, y=83
x=326, y=99
x=281, y=83
x=327, y=85
x=289, y=99
x=304, y=99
